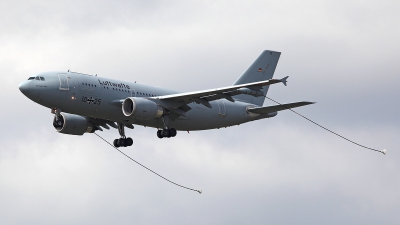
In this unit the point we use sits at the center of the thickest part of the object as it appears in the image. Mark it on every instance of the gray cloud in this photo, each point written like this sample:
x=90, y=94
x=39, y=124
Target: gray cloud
x=343, y=55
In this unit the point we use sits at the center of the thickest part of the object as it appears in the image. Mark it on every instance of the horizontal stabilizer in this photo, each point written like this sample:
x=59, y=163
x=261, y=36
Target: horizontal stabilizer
x=276, y=108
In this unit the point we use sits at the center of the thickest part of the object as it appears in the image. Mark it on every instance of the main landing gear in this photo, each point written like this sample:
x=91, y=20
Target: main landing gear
x=123, y=141
x=166, y=132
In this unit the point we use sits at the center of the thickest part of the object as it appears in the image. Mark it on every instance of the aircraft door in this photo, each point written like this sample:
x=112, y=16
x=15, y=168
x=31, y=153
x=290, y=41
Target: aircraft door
x=221, y=108
x=64, y=86
x=133, y=93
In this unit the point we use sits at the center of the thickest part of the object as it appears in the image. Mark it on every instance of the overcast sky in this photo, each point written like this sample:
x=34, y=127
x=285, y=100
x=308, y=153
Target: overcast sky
x=344, y=55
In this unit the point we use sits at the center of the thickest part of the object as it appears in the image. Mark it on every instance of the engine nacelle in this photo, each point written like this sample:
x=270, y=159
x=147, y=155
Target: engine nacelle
x=141, y=108
x=72, y=124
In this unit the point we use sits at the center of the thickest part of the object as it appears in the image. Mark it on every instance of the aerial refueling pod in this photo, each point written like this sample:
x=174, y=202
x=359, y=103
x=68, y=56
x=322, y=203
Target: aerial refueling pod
x=72, y=124
x=141, y=108
x=248, y=91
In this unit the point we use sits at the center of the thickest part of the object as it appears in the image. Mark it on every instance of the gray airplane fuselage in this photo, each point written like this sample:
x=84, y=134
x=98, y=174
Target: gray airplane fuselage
x=98, y=97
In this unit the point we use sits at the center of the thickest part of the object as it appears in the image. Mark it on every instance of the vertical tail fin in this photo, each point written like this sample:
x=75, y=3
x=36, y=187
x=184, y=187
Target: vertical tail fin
x=261, y=69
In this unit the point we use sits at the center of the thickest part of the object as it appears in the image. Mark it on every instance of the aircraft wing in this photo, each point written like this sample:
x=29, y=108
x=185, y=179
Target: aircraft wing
x=203, y=97
x=276, y=108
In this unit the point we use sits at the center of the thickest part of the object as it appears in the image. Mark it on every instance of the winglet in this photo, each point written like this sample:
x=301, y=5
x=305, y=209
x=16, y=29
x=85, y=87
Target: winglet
x=383, y=151
x=284, y=80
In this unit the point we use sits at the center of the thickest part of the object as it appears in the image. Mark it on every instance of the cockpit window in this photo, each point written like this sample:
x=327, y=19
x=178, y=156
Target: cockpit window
x=42, y=78
x=37, y=78
x=31, y=78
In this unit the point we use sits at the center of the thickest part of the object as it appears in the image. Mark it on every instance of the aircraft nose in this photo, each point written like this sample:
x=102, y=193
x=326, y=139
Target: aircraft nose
x=24, y=87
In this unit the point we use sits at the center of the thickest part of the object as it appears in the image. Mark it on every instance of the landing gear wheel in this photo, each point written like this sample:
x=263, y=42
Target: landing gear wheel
x=159, y=134
x=116, y=143
x=129, y=141
x=172, y=132
x=122, y=142
x=166, y=133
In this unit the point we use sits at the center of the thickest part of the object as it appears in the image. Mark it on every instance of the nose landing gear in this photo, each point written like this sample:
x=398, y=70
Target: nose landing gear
x=123, y=141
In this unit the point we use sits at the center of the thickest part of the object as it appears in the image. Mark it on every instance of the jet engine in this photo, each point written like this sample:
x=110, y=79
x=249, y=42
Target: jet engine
x=72, y=124
x=141, y=108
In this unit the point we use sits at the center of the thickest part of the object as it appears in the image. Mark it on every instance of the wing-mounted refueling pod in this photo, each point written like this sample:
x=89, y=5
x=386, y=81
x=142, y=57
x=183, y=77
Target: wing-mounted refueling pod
x=255, y=90
x=249, y=91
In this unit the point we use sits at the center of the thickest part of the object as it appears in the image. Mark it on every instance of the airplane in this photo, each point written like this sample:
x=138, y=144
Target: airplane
x=83, y=103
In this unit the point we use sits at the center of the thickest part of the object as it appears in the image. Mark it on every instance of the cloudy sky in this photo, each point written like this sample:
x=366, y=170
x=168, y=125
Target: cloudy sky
x=344, y=55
